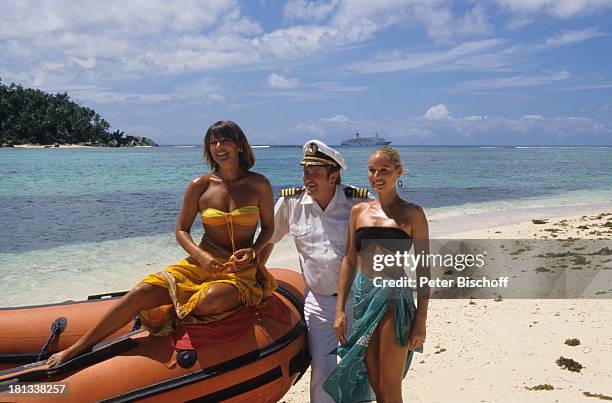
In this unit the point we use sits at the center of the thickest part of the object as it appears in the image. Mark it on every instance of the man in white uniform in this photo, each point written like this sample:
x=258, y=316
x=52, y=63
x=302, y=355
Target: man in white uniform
x=317, y=217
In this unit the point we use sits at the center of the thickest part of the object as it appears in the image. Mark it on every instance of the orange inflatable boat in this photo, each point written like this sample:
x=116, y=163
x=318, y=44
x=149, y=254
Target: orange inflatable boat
x=32, y=333
x=255, y=355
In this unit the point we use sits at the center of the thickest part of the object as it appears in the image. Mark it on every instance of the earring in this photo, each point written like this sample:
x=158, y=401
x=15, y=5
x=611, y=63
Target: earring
x=240, y=150
x=399, y=183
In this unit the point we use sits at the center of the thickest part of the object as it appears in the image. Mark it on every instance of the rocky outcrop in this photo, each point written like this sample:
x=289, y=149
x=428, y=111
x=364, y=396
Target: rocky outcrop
x=130, y=141
x=135, y=141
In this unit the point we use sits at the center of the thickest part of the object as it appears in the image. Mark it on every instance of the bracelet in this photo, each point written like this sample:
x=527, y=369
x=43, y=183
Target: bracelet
x=254, y=254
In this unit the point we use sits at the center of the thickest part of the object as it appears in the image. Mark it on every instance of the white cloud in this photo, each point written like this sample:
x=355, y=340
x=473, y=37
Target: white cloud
x=308, y=128
x=51, y=46
x=556, y=8
x=341, y=119
x=596, y=86
x=569, y=37
x=120, y=40
x=156, y=37
x=359, y=20
x=483, y=129
x=436, y=59
x=138, y=39
x=87, y=63
x=216, y=97
x=327, y=87
x=103, y=96
x=474, y=22
x=518, y=21
x=278, y=81
x=302, y=10
x=201, y=91
x=443, y=26
x=513, y=82
x=52, y=66
x=32, y=19
x=437, y=112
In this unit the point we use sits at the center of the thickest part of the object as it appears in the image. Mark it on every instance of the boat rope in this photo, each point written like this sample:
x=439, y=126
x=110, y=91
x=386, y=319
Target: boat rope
x=57, y=327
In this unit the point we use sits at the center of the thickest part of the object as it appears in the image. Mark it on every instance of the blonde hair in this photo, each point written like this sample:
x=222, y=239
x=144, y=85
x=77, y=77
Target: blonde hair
x=393, y=156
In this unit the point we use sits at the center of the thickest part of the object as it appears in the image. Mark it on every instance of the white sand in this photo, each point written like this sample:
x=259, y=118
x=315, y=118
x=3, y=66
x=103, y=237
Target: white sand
x=492, y=351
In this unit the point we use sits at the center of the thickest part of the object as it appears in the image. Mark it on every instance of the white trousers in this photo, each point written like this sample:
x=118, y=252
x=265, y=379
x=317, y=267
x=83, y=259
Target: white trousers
x=320, y=312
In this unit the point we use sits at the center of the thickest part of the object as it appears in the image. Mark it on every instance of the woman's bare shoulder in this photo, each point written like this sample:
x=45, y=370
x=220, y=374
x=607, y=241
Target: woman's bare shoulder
x=258, y=180
x=360, y=207
x=412, y=210
x=257, y=177
x=199, y=184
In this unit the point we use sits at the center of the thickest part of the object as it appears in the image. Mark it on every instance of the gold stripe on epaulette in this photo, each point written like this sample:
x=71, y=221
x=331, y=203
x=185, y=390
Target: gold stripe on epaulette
x=360, y=193
x=286, y=192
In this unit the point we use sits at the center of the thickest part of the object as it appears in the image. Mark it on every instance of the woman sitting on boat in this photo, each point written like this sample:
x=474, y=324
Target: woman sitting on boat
x=222, y=273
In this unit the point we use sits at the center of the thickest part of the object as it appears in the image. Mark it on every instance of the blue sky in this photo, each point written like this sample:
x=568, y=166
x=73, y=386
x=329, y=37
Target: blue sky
x=531, y=72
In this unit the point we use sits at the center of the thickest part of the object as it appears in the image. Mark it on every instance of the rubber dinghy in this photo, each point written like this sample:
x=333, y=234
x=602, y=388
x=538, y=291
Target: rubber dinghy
x=32, y=333
x=254, y=355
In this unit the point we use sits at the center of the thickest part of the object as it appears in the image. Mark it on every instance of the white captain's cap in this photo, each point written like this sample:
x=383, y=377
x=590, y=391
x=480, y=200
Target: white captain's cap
x=318, y=153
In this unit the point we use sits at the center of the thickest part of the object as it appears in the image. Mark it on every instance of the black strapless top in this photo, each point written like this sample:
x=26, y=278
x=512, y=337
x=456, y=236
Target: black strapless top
x=389, y=238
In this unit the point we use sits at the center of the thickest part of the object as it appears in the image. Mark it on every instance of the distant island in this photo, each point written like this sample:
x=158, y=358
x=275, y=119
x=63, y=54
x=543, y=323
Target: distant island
x=33, y=117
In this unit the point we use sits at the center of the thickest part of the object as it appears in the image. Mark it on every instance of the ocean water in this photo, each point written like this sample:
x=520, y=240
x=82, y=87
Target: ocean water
x=79, y=221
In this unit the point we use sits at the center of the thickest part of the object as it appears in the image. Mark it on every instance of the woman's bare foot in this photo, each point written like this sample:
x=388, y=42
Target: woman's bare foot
x=61, y=357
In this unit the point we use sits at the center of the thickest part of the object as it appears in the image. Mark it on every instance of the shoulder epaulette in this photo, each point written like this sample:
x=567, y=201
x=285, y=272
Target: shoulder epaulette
x=350, y=191
x=291, y=191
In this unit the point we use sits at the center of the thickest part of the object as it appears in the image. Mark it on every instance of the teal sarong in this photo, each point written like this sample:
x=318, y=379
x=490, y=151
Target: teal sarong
x=349, y=381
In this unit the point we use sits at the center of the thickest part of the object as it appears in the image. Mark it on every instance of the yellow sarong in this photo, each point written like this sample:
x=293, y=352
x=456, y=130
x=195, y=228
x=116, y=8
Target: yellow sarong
x=187, y=282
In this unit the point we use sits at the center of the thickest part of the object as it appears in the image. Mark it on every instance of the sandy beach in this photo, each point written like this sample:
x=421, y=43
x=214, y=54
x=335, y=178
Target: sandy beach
x=507, y=350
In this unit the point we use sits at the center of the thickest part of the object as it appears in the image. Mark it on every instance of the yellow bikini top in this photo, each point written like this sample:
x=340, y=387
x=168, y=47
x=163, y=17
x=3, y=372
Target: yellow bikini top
x=244, y=216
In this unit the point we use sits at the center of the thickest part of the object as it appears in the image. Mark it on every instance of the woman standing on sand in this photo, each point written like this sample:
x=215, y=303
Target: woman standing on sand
x=222, y=273
x=387, y=327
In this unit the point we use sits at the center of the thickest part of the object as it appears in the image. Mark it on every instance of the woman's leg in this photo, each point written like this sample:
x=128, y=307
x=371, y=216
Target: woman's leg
x=219, y=298
x=392, y=360
x=143, y=296
x=372, y=360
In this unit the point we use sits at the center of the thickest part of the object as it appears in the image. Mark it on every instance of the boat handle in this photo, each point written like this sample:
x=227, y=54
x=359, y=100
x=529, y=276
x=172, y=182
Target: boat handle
x=57, y=327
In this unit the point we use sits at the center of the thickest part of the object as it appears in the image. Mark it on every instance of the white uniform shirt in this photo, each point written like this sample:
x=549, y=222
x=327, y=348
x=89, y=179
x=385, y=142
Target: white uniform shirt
x=320, y=236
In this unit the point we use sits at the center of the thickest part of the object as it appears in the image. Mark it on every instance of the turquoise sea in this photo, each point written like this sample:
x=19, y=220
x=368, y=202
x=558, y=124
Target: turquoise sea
x=82, y=220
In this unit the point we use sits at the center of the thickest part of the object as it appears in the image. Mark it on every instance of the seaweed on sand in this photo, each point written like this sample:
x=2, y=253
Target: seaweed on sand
x=569, y=364
x=572, y=342
x=543, y=386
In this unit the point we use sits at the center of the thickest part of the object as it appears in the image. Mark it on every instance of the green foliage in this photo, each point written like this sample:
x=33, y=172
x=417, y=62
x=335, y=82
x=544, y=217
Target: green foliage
x=33, y=116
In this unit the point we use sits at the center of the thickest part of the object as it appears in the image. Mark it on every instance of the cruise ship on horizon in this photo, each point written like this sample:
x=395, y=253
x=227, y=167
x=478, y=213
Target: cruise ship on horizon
x=365, y=141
